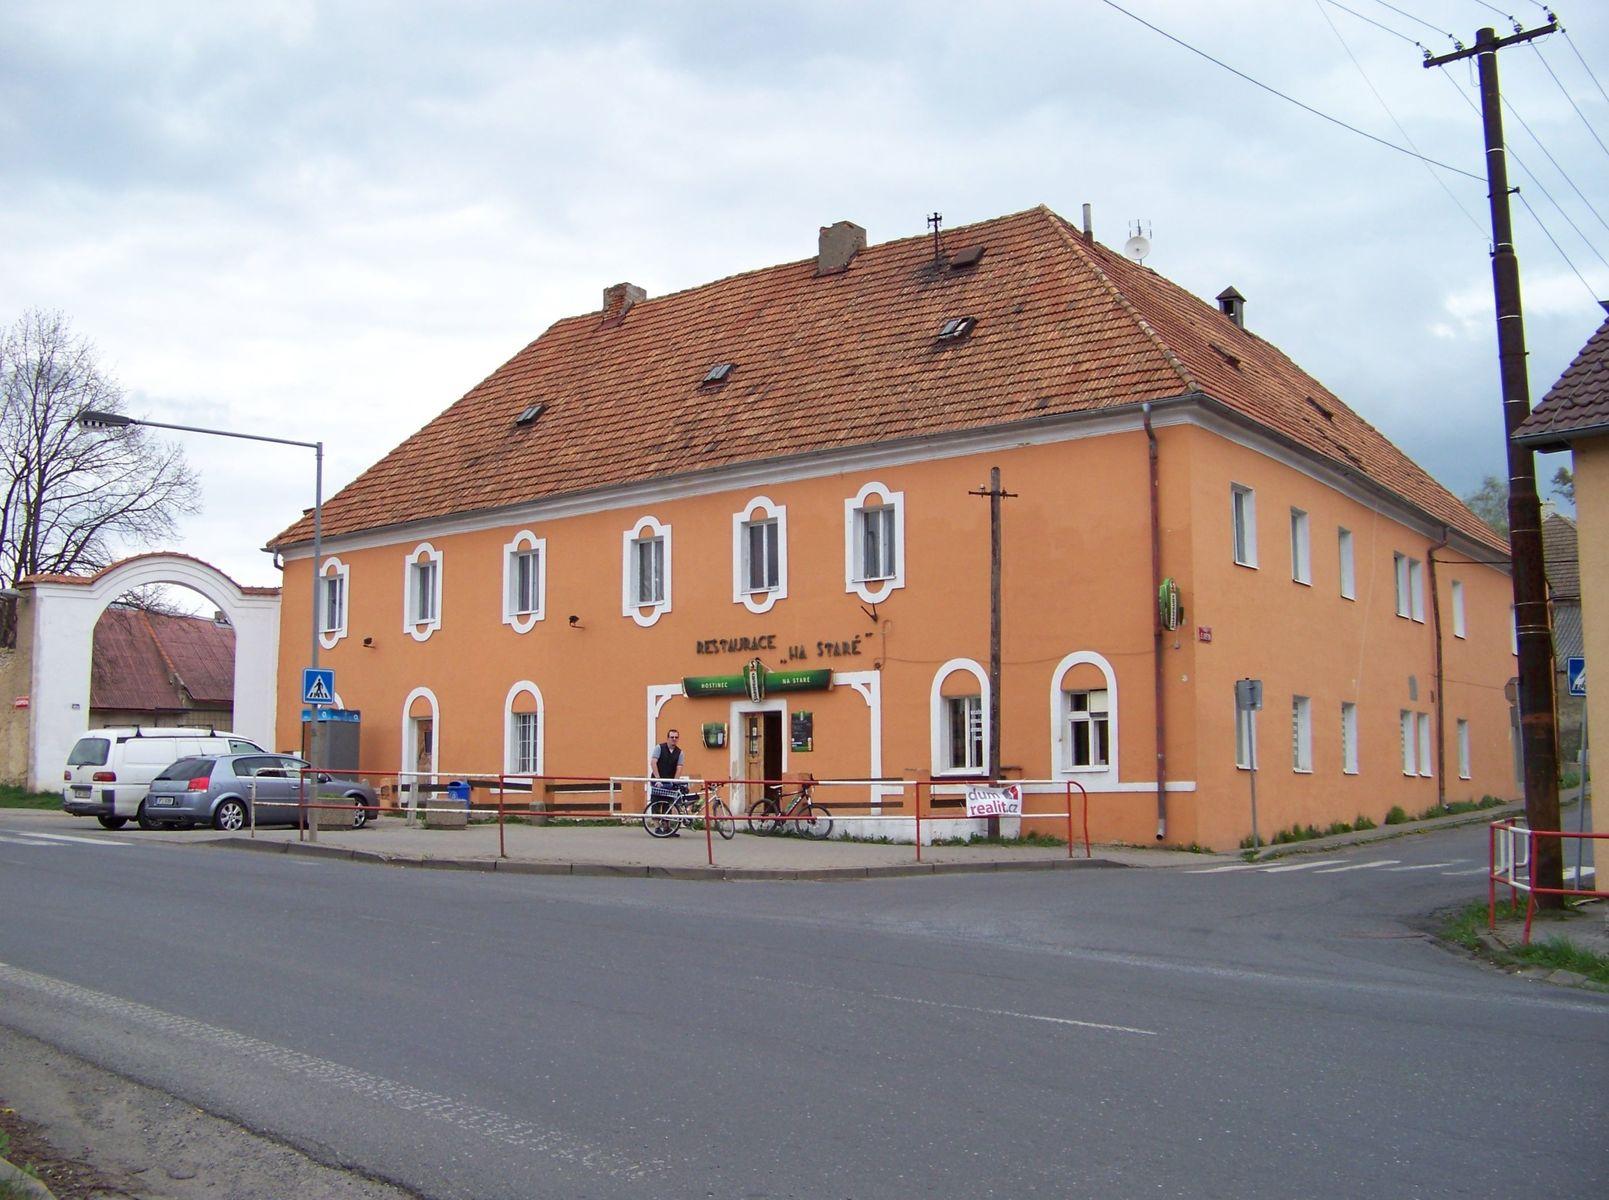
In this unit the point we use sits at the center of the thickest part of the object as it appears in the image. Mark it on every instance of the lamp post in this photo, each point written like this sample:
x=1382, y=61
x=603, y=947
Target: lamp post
x=91, y=419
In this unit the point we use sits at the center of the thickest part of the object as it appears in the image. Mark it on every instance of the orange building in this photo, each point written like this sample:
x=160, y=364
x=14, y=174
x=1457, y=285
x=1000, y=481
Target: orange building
x=779, y=469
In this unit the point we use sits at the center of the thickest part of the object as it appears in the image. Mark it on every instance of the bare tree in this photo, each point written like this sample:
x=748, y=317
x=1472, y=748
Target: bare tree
x=69, y=498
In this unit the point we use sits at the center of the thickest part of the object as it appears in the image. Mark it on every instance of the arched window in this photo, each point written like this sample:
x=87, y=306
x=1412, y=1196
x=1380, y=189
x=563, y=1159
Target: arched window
x=1083, y=716
x=334, y=576
x=421, y=734
x=760, y=555
x=959, y=704
x=525, y=567
x=524, y=742
x=645, y=571
x=421, y=592
x=874, y=543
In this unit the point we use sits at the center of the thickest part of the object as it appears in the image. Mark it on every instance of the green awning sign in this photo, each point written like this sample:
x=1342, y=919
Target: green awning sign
x=756, y=682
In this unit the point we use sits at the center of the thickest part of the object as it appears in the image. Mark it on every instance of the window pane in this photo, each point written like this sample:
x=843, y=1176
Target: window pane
x=650, y=571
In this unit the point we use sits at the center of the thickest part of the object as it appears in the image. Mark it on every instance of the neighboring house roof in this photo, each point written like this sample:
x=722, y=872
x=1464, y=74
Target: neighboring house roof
x=144, y=660
x=1560, y=558
x=1577, y=405
x=1567, y=636
x=828, y=362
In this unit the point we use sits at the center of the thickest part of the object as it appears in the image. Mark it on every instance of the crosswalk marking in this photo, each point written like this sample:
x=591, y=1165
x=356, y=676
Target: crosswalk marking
x=68, y=837
x=1452, y=862
x=1363, y=866
x=1471, y=871
x=1228, y=867
x=52, y=841
x=1307, y=866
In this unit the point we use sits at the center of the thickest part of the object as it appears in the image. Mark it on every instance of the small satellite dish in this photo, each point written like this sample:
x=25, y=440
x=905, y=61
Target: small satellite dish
x=1137, y=247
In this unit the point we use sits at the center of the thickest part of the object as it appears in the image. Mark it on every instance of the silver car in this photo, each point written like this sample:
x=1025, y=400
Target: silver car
x=222, y=790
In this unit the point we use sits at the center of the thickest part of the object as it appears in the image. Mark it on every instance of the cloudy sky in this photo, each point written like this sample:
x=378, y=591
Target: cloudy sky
x=329, y=220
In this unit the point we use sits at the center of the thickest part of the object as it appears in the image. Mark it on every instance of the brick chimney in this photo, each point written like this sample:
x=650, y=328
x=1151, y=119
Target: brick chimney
x=838, y=244
x=617, y=299
x=1233, y=305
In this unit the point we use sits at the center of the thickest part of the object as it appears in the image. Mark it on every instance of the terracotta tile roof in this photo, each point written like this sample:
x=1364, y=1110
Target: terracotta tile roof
x=147, y=661
x=1560, y=557
x=851, y=359
x=1577, y=404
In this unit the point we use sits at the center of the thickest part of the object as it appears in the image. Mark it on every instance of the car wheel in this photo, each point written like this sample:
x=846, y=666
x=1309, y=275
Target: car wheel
x=112, y=822
x=144, y=821
x=229, y=816
x=360, y=814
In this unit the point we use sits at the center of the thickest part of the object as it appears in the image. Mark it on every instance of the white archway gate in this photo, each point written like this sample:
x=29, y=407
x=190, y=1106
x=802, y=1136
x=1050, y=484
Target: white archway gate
x=57, y=625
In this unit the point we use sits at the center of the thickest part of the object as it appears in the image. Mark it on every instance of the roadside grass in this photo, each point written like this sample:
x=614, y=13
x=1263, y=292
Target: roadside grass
x=8, y=1189
x=16, y=797
x=1358, y=824
x=1464, y=926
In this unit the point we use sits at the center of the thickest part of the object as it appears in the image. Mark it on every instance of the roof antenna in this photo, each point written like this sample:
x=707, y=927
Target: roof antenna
x=935, y=220
x=1139, y=243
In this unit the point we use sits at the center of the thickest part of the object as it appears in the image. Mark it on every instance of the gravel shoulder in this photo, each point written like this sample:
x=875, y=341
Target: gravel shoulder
x=94, y=1135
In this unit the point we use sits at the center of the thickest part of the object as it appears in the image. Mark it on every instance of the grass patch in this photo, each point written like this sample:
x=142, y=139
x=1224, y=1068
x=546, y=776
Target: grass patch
x=1464, y=927
x=983, y=839
x=16, y=797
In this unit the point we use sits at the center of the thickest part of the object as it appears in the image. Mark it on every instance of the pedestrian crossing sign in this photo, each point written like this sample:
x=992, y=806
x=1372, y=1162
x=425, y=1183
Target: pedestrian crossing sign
x=318, y=685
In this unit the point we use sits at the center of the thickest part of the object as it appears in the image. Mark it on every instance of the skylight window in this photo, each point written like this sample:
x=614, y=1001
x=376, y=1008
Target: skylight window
x=718, y=373
x=529, y=414
x=956, y=328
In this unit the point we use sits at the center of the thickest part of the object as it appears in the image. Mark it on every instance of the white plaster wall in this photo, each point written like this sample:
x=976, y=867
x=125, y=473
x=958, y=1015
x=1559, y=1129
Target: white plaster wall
x=64, y=616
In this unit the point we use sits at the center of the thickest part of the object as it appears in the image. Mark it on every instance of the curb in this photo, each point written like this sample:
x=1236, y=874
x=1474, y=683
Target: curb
x=645, y=871
x=1385, y=833
x=21, y=1181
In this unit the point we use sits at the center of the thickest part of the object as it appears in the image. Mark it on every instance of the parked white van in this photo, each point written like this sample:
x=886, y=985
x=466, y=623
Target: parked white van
x=110, y=770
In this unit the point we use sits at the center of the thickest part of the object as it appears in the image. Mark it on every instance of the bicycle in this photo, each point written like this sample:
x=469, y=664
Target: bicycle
x=767, y=815
x=672, y=805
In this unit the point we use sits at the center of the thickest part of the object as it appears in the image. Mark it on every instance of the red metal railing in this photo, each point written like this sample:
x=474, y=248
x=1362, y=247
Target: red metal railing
x=1504, y=838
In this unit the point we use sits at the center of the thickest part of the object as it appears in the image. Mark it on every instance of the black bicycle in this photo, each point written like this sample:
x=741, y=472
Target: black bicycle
x=671, y=806
x=771, y=815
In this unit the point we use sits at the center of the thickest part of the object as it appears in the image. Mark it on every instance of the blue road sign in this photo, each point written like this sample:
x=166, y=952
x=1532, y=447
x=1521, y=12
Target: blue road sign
x=1575, y=670
x=318, y=685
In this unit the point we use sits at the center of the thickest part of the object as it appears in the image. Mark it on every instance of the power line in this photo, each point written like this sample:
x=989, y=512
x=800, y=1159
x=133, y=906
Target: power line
x=1570, y=41
x=1421, y=21
x=1405, y=135
x=1565, y=92
x=1556, y=245
x=1396, y=33
x=1508, y=16
x=1112, y=4
x=1523, y=125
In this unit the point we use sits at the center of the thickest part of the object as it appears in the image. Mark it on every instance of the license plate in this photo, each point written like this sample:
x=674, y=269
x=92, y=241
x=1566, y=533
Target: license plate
x=162, y=801
x=80, y=791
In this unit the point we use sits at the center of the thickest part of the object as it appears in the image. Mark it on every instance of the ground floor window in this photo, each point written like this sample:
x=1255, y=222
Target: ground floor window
x=963, y=725
x=1089, y=726
x=1463, y=748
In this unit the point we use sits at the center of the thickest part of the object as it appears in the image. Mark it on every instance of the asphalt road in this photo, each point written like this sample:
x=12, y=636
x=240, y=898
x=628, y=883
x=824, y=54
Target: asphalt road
x=1114, y=1033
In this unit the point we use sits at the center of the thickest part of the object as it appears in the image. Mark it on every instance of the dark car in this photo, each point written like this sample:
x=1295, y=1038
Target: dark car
x=223, y=790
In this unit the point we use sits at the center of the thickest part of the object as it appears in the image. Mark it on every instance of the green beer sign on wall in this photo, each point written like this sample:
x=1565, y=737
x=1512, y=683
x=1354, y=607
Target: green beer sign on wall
x=756, y=682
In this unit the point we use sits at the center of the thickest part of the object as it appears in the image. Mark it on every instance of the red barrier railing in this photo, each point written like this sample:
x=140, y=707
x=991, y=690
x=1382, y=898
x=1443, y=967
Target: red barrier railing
x=1504, y=839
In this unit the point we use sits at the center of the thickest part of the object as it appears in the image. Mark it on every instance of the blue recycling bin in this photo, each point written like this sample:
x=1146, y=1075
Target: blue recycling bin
x=458, y=789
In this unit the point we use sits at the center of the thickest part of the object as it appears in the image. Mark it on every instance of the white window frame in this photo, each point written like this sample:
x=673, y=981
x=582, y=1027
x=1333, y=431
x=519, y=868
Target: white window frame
x=1349, y=571
x=416, y=625
x=410, y=750
x=511, y=747
x=760, y=509
x=1095, y=719
x=873, y=591
x=1243, y=525
x=1416, y=589
x=971, y=751
x=1349, y=738
x=938, y=712
x=1061, y=750
x=1463, y=748
x=1426, y=759
x=333, y=570
x=1460, y=629
x=524, y=542
x=646, y=529
x=1301, y=548
x=1399, y=569
x=1408, y=728
x=1302, y=735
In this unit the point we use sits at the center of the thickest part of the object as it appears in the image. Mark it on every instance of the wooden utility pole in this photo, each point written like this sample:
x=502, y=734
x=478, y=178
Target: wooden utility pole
x=995, y=494
x=1538, y=726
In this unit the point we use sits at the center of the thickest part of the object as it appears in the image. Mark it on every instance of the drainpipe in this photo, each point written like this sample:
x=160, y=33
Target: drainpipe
x=1435, y=624
x=1157, y=633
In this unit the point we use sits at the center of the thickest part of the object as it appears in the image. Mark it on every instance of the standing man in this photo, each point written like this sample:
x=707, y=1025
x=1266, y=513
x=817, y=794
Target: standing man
x=667, y=763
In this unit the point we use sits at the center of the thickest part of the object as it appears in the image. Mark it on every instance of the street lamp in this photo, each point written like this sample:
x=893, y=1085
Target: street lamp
x=91, y=419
